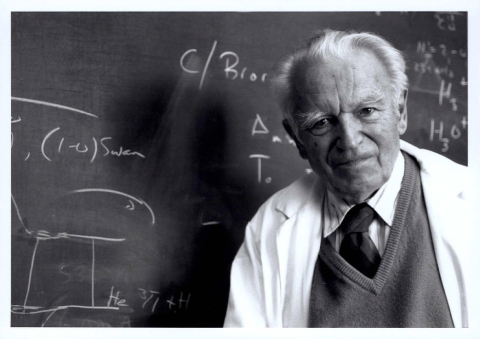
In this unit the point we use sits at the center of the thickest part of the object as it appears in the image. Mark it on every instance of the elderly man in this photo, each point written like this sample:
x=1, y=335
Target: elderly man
x=374, y=237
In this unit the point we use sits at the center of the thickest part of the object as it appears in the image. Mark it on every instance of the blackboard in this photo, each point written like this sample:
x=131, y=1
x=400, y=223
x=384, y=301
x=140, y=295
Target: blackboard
x=142, y=143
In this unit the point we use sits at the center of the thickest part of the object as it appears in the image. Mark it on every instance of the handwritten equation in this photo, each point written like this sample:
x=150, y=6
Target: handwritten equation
x=446, y=20
x=440, y=70
x=232, y=69
x=259, y=128
x=150, y=299
x=100, y=147
x=54, y=142
x=437, y=129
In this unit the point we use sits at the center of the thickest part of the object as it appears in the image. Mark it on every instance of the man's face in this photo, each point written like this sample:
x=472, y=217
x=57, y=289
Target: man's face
x=350, y=129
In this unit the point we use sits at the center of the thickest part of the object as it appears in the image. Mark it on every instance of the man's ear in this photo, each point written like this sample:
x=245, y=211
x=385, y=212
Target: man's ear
x=292, y=135
x=402, y=109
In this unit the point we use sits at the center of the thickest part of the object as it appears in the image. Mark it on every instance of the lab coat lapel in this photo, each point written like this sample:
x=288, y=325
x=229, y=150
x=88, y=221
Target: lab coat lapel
x=450, y=219
x=448, y=214
x=298, y=244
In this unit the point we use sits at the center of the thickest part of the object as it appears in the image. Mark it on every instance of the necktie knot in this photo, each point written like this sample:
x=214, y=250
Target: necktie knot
x=357, y=248
x=358, y=219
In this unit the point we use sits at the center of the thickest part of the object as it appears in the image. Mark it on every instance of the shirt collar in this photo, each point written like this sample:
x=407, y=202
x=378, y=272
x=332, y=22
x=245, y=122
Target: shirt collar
x=383, y=201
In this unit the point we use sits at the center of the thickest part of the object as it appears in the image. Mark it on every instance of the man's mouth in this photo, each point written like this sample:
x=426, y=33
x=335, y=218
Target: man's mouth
x=349, y=162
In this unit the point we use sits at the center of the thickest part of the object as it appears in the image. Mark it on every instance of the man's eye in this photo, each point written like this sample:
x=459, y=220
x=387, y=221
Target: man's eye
x=321, y=123
x=367, y=111
x=321, y=126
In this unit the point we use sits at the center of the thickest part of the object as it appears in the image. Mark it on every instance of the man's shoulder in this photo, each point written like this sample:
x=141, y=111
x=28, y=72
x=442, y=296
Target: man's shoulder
x=438, y=167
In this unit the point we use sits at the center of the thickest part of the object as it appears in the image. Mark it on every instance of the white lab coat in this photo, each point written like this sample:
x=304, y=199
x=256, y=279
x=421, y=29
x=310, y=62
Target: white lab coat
x=272, y=271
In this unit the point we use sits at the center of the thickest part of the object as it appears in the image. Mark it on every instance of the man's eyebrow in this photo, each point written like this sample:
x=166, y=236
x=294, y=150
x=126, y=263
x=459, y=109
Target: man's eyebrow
x=371, y=97
x=308, y=119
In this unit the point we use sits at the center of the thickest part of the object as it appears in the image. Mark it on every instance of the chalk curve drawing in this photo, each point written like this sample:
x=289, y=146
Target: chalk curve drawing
x=42, y=235
x=106, y=190
x=51, y=104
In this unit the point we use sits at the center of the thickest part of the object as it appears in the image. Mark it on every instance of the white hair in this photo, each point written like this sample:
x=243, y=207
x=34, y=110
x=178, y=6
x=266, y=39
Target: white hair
x=329, y=44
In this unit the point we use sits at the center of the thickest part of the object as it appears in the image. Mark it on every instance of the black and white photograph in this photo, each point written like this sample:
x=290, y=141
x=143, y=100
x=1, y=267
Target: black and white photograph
x=226, y=170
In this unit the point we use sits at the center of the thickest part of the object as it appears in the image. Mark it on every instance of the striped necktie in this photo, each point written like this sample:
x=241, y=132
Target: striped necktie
x=357, y=248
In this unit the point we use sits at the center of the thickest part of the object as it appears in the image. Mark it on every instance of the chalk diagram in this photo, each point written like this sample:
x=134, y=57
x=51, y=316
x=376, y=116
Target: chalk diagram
x=131, y=204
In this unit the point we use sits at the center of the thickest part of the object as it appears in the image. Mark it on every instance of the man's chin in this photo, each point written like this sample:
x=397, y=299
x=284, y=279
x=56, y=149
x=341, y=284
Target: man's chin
x=354, y=167
x=356, y=192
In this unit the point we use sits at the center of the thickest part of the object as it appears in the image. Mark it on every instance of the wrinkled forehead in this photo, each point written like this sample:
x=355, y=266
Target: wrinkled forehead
x=358, y=77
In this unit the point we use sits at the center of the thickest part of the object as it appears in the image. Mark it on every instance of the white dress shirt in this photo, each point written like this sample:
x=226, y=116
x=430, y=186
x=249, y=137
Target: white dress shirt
x=384, y=202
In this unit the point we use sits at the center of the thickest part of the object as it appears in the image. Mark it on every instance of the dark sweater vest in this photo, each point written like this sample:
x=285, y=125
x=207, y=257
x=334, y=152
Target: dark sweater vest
x=405, y=292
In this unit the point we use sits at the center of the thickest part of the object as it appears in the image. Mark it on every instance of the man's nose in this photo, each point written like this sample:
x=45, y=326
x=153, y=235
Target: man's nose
x=349, y=132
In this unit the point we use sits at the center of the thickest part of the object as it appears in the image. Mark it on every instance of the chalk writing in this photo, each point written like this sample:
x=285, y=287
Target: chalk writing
x=147, y=296
x=447, y=58
x=44, y=235
x=442, y=49
x=75, y=146
x=445, y=89
x=259, y=126
x=183, y=301
x=78, y=148
x=182, y=64
x=115, y=299
x=83, y=147
x=259, y=157
x=290, y=140
x=120, y=151
x=444, y=92
x=174, y=303
x=454, y=132
x=69, y=273
x=446, y=21
x=79, y=273
x=428, y=66
x=276, y=138
x=439, y=131
x=182, y=58
x=230, y=70
x=151, y=299
x=95, y=148
x=49, y=134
